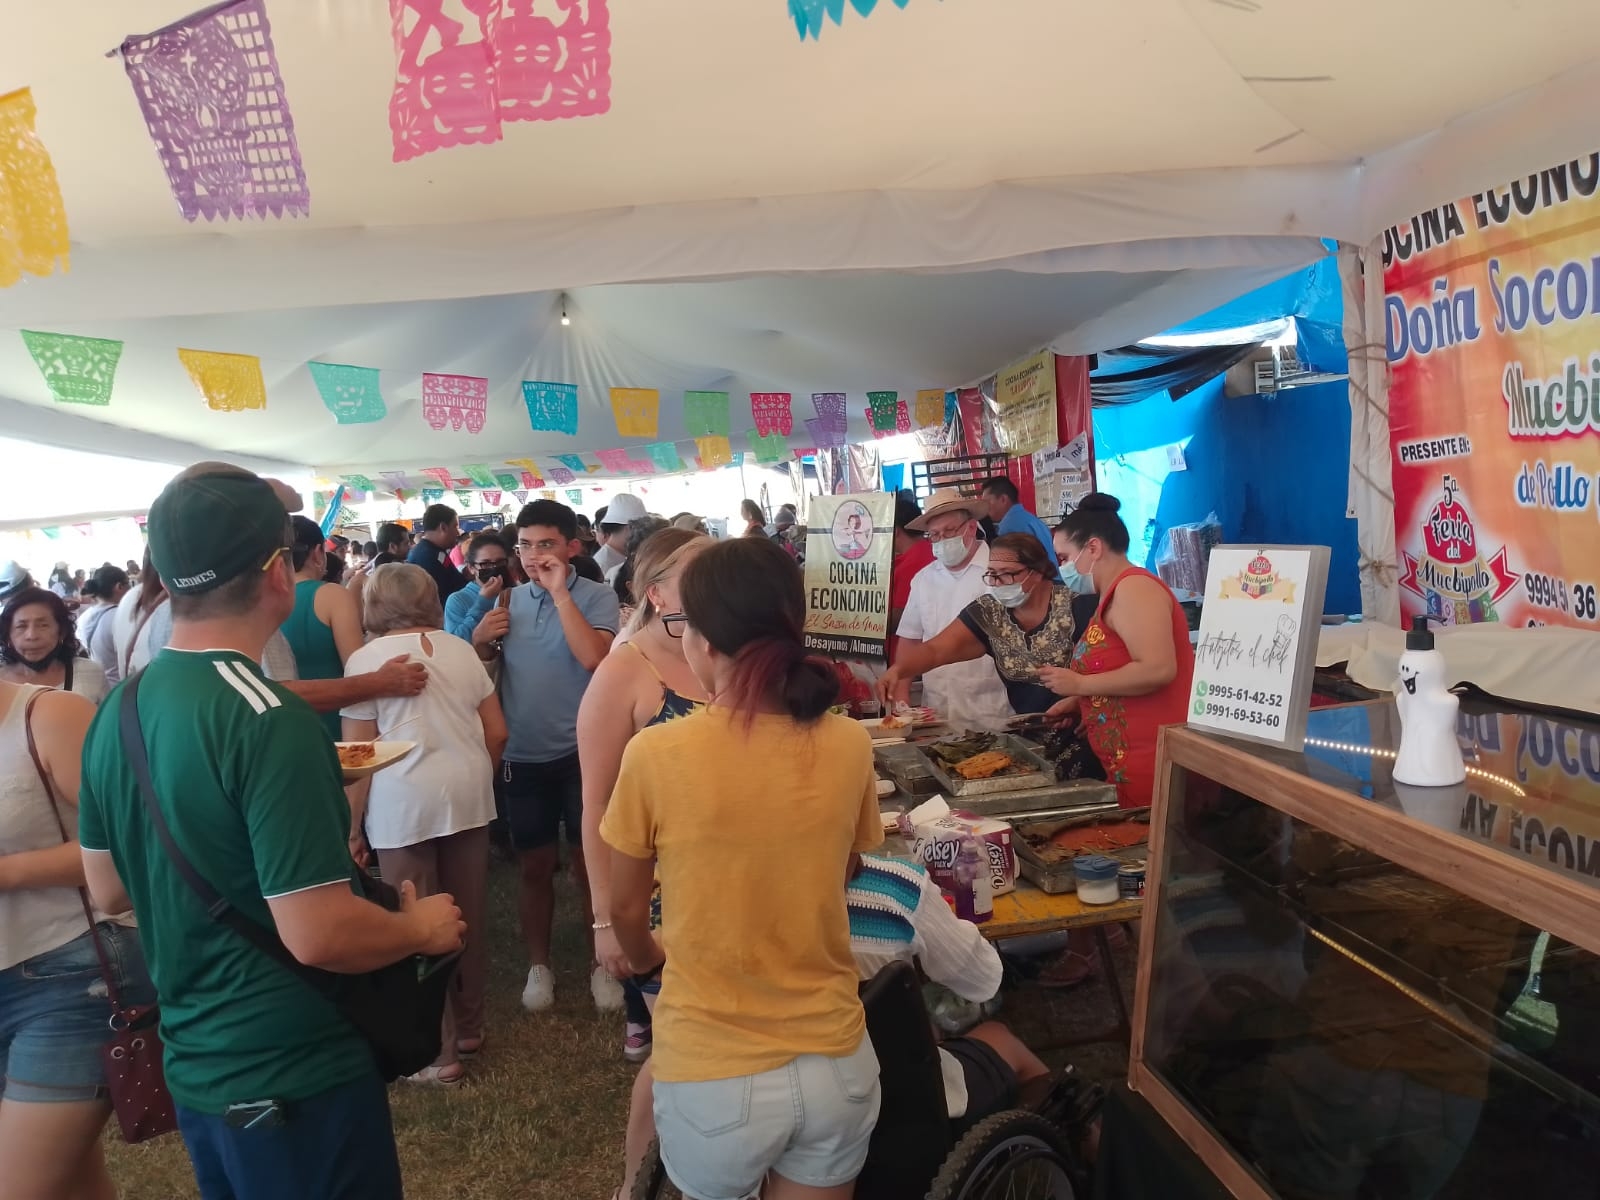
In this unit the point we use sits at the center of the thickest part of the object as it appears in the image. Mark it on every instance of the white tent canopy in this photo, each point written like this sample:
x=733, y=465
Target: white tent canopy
x=910, y=201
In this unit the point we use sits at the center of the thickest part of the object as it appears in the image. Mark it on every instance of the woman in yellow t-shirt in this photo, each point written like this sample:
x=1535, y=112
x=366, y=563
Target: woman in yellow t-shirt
x=750, y=812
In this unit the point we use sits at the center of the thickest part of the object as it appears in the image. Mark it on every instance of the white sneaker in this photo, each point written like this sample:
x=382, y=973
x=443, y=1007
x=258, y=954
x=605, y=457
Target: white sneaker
x=606, y=990
x=540, y=991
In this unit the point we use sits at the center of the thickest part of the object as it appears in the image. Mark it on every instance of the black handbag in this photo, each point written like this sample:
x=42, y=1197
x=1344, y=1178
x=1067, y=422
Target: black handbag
x=398, y=1009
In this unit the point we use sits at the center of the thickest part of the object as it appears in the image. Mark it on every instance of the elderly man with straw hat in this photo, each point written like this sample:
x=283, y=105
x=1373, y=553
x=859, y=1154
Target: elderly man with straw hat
x=970, y=694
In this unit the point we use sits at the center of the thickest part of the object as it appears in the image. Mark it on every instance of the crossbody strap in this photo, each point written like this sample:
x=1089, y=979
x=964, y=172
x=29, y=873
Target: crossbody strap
x=106, y=973
x=217, y=906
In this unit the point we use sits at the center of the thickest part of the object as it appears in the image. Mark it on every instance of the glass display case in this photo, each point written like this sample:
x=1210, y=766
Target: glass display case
x=1349, y=988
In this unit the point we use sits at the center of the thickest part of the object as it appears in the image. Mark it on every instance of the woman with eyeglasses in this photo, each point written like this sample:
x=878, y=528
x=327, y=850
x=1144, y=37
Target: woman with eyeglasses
x=1026, y=622
x=644, y=681
x=765, y=1080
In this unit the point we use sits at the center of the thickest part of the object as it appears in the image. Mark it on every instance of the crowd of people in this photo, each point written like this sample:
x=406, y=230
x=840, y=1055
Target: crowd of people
x=618, y=686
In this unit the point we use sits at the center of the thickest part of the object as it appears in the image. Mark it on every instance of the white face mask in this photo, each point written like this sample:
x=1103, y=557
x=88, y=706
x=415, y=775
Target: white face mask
x=1009, y=594
x=950, y=551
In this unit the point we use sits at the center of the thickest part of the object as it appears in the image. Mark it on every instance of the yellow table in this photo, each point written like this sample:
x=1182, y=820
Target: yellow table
x=1028, y=910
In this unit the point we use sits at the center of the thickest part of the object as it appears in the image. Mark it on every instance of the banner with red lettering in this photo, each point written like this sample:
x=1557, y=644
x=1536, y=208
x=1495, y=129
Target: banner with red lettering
x=1492, y=313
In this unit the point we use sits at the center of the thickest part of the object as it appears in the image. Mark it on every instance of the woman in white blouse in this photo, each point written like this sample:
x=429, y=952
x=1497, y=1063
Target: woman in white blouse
x=427, y=816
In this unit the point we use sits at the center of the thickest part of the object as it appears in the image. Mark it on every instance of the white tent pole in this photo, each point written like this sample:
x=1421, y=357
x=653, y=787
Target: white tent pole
x=1371, y=494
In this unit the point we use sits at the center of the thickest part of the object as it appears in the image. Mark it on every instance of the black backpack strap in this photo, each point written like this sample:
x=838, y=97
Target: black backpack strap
x=218, y=907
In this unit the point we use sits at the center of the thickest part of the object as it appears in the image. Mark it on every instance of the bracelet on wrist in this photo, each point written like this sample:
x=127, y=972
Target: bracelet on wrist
x=599, y=925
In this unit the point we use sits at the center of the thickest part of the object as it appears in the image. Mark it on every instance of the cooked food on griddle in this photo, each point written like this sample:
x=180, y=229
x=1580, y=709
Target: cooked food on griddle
x=985, y=766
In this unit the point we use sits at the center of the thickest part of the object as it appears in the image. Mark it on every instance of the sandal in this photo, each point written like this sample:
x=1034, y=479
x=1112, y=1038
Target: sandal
x=1069, y=971
x=449, y=1075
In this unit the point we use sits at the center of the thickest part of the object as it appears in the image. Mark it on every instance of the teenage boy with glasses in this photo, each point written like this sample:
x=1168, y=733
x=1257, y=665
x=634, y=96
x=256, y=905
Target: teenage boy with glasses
x=551, y=636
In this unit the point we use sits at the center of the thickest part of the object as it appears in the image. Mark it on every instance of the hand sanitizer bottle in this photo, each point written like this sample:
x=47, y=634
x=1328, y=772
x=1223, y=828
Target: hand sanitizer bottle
x=1430, y=755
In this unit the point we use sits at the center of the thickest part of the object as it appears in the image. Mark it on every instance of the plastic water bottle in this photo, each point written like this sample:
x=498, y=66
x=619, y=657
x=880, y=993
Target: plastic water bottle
x=974, y=892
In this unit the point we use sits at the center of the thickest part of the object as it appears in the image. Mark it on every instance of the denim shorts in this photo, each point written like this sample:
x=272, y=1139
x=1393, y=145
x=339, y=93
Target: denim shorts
x=810, y=1121
x=55, y=1015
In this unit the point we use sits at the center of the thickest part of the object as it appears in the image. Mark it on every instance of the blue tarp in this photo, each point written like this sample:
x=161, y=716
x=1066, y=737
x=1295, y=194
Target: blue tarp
x=1312, y=297
x=1275, y=469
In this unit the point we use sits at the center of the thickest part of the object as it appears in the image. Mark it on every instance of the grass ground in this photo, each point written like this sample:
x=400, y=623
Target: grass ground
x=542, y=1114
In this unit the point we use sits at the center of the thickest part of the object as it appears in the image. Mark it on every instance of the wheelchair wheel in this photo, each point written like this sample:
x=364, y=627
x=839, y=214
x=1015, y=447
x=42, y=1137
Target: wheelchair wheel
x=1009, y=1156
x=651, y=1183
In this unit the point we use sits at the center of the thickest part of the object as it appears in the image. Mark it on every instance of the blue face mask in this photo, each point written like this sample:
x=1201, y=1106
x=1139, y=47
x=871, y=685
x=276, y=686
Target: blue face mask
x=1079, y=583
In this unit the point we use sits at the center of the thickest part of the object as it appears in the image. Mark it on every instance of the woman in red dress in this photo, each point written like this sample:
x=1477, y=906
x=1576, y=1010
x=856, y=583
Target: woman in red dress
x=1134, y=663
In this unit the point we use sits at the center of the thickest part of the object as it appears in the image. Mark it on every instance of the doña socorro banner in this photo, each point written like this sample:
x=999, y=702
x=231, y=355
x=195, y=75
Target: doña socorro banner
x=1493, y=337
x=849, y=546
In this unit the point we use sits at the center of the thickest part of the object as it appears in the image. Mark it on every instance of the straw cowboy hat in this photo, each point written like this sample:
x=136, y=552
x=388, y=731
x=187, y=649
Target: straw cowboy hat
x=945, y=500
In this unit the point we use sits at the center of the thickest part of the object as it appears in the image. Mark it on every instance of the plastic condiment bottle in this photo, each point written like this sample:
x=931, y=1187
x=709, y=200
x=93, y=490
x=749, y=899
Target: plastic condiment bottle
x=973, y=891
x=1430, y=755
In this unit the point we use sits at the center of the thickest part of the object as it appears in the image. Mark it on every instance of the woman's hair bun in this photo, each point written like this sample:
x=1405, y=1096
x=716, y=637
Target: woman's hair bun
x=1099, y=502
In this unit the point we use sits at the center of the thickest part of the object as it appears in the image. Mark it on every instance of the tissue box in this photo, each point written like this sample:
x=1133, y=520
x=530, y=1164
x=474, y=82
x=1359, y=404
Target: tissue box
x=938, y=842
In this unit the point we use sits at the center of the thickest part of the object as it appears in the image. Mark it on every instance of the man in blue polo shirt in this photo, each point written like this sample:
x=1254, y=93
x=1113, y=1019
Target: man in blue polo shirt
x=1008, y=515
x=556, y=630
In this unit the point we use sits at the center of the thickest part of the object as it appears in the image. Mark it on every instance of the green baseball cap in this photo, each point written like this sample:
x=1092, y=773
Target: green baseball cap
x=206, y=529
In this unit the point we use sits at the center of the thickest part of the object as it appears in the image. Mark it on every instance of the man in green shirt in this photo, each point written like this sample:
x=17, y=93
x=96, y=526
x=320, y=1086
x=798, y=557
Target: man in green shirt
x=277, y=1094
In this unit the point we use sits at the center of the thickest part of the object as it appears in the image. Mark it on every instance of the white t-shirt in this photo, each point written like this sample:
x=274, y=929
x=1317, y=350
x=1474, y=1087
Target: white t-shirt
x=137, y=657
x=968, y=695
x=445, y=785
x=608, y=560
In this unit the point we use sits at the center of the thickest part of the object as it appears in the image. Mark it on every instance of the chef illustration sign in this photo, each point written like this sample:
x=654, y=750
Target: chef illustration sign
x=1492, y=333
x=849, y=548
x=1256, y=655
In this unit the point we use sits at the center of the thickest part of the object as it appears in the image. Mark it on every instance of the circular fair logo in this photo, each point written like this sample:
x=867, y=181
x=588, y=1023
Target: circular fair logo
x=852, y=530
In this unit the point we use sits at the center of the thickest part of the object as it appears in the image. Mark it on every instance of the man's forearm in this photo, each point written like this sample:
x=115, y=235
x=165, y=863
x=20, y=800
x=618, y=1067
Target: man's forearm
x=360, y=937
x=331, y=695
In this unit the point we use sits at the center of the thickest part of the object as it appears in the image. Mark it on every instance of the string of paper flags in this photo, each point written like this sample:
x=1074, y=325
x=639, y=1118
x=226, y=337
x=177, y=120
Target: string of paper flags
x=213, y=99
x=82, y=370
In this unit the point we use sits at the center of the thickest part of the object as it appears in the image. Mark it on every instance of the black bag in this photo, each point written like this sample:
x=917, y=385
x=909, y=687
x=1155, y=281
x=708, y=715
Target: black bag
x=398, y=1009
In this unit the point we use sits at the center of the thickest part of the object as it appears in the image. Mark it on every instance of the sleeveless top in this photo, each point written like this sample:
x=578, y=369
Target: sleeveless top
x=673, y=706
x=1122, y=729
x=316, y=654
x=33, y=921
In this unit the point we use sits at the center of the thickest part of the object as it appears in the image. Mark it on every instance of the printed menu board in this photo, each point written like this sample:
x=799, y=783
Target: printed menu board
x=849, y=549
x=1254, y=663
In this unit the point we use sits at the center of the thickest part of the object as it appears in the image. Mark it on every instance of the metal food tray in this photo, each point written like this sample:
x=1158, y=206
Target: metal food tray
x=1055, y=879
x=1058, y=877
x=1042, y=775
x=1073, y=798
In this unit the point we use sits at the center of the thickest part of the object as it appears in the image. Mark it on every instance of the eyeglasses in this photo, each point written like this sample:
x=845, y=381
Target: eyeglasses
x=543, y=547
x=674, y=624
x=1001, y=578
x=273, y=557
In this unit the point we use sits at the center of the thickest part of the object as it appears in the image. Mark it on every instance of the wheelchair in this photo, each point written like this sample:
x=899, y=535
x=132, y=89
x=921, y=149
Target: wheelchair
x=1016, y=1155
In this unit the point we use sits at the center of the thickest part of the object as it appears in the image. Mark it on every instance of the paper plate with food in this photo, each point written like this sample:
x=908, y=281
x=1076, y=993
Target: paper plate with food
x=900, y=722
x=357, y=760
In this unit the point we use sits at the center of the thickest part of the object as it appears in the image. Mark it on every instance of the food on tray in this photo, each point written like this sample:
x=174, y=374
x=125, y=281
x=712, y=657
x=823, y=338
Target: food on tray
x=357, y=754
x=1052, y=842
x=985, y=766
x=896, y=721
x=950, y=751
